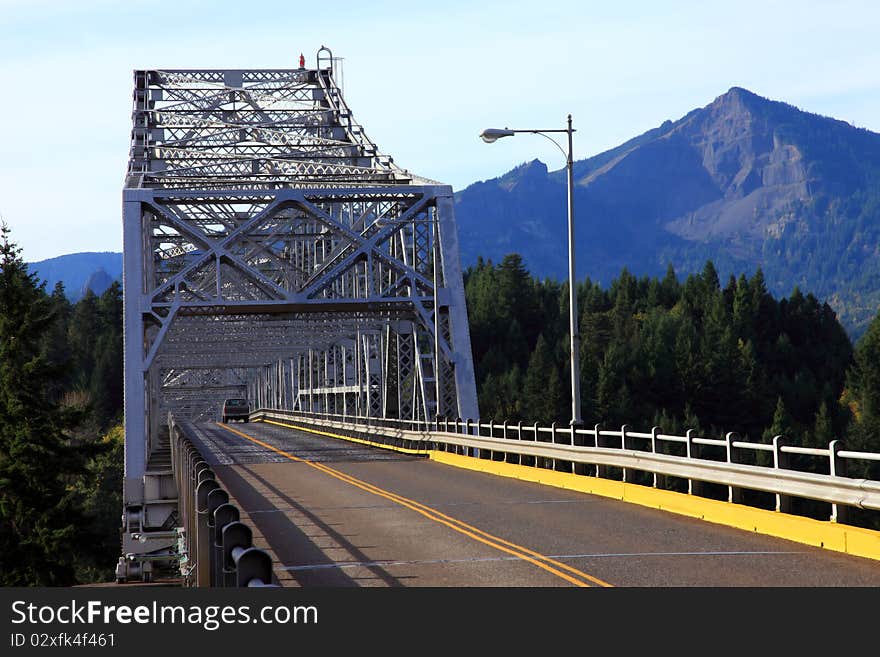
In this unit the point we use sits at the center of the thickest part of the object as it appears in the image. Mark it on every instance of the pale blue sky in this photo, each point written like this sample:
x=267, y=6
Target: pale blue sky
x=423, y=78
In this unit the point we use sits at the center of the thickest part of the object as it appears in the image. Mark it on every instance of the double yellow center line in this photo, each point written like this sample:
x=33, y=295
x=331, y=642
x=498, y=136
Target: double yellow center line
x=562, y=570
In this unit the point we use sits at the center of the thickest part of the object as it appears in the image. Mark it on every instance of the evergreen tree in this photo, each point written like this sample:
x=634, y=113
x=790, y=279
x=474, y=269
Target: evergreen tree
x=865, y=376
x=40, y=520
x=613, y=397
x=781, y=425
x=84, y=330
x=101, y=492
x=823, y=432
x=56, y=346
x=670, y=290
x=864, y=398
x=542, y=393
x=743, y=310
x=106, y=379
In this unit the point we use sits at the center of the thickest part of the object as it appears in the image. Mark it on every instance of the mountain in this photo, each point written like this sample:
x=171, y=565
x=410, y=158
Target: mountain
x=80, y=271
x=745, y=181
x=97, y=282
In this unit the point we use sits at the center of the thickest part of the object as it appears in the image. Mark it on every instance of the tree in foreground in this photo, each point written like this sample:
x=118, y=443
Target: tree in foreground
x=41, y=523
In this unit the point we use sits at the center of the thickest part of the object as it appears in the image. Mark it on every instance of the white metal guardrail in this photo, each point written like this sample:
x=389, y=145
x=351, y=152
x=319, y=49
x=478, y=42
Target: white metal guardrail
x=594, y=451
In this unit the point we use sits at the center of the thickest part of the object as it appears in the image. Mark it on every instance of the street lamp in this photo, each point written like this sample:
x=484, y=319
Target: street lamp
x=490, y=135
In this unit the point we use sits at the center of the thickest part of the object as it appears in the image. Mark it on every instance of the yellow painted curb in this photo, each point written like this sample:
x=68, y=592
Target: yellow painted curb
x=856, y=541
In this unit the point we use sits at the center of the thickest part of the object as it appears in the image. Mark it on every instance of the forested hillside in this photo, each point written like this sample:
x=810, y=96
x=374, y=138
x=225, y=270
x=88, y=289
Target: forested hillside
x=658, y=351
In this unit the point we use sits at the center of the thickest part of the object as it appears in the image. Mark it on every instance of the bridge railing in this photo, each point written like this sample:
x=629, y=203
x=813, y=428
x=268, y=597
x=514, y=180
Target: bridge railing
x=652, y=458
x=215, y=547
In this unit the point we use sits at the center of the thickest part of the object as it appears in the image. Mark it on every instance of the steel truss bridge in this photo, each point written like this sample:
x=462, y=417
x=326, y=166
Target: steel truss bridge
x=271, y=250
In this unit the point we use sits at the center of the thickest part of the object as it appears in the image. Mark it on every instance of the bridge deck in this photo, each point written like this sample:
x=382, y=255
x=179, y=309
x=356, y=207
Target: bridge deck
x=336, y=514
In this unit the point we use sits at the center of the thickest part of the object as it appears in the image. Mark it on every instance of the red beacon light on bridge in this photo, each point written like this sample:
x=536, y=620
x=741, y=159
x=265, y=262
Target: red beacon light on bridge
x=302, y=61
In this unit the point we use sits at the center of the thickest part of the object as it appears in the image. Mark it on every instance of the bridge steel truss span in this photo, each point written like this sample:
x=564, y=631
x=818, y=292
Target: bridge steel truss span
x=271, y=251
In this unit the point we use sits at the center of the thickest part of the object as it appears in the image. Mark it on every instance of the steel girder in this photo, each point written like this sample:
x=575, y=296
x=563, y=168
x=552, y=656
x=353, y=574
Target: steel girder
x=271, y=250
x=250, y=129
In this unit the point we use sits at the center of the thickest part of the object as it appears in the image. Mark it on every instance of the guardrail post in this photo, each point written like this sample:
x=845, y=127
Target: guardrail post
x=504, y=429
x=235, y=535
x=203, y=545
x=781, y=460
x=519, y=457
x=601, y=470
x=659, y=479
x=472, y=451
x=693, y=452
x=837, y=468
x=216, y=498
x=539, y=462
x=223, y=515
x=253, y=567
x=580, y=440
x=623, y=447
x=734, y=493
x=553, y=462
x=194, y=465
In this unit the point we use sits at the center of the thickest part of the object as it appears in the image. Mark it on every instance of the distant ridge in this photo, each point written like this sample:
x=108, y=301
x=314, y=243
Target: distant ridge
x=80, y=271
x=746, y=181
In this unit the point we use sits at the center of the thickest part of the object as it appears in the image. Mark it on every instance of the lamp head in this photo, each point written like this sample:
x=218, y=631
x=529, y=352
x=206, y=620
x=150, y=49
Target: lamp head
x=493, y=134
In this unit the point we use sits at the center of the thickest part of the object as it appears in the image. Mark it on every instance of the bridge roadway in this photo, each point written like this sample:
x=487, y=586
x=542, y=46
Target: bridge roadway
x=335, y=513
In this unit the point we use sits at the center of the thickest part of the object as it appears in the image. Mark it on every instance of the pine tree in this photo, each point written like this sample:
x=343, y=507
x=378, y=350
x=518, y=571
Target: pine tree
x=711, y=284
x=670, y=288
x=613, y=398
x=864, y=379
x=743, y=310
x=106, y=379
x=823, y=432
x=542, y=386
x=781, y=425
x=56, y=346
x=84, y=329
x=40, y=521
x=865, y=376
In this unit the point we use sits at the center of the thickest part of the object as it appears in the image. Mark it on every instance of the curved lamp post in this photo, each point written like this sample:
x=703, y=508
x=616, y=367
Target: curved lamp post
x=490, y=135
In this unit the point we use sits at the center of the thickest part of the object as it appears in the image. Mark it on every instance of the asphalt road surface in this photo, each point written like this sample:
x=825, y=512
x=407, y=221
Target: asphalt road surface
x=334, y=513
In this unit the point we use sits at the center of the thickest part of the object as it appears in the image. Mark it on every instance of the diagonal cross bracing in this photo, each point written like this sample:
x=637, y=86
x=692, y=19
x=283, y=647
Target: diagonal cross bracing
x=271, y=250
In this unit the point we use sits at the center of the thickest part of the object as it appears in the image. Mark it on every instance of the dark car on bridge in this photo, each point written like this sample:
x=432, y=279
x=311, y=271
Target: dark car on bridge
x=235, y=409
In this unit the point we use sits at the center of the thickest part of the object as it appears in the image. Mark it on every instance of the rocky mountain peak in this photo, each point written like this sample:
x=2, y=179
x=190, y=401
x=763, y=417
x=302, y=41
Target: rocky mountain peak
x=526, y=173
x=744, y=180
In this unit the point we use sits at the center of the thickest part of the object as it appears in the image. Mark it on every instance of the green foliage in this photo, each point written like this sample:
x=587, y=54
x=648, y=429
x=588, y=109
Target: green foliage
x=863, y=398
x=41, y=517
x=60, y=383
x=679, y=355
x=100, y=491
